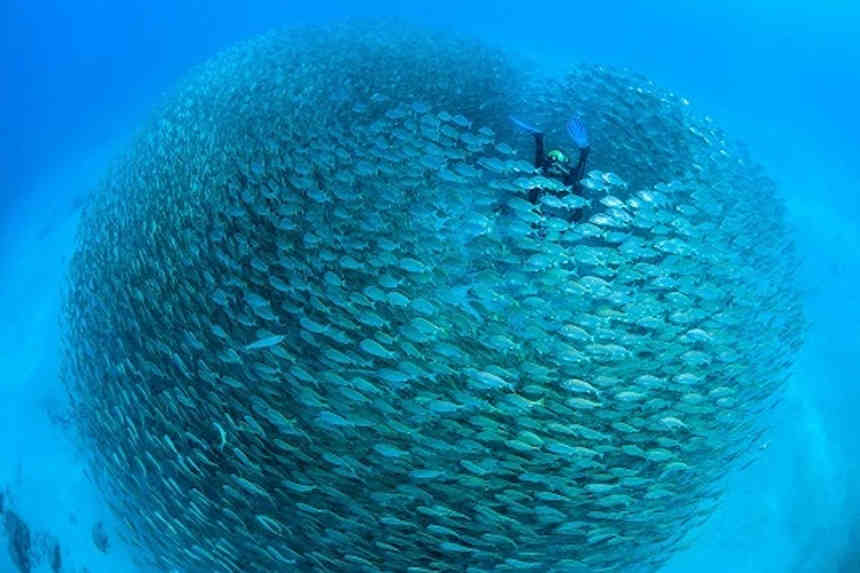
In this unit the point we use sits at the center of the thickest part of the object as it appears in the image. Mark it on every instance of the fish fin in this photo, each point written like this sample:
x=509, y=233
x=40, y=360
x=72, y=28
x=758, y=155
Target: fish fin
x=578, y=132
x=524, y=126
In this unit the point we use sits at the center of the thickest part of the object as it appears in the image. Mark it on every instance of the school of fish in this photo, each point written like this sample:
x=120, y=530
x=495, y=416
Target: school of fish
x=313, y=324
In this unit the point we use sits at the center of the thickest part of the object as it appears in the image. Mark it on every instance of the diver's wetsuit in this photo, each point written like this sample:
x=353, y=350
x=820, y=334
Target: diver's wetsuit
x=571, y=177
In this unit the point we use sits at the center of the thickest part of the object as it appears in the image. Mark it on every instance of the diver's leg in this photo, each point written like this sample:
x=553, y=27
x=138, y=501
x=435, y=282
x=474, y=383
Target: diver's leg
x=539, y=156
x=578, y=172
x=573, y=179
x=580, y=165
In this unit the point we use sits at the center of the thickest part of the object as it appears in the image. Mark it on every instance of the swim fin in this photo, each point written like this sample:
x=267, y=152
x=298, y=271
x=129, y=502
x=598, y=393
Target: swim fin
x=578, y=132
x=524, y=126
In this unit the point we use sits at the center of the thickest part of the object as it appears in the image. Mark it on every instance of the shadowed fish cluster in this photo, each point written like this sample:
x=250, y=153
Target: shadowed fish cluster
x=19, y=542
x=313, y=324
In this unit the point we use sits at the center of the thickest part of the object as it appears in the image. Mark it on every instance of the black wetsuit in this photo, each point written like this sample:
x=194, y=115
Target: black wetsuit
x=571, y=177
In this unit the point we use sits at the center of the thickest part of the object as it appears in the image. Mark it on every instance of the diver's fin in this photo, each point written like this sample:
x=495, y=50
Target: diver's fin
x=578, y=132
x=524, y=126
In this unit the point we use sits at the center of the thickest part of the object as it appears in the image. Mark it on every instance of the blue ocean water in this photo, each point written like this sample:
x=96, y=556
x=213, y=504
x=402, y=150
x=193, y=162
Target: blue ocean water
x=780, y=76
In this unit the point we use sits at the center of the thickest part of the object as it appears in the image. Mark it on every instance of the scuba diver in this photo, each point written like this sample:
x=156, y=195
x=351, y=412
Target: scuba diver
x=556, y=164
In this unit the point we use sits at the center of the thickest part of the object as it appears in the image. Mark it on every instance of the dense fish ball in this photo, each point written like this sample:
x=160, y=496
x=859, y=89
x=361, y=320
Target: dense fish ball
x=314, y=324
